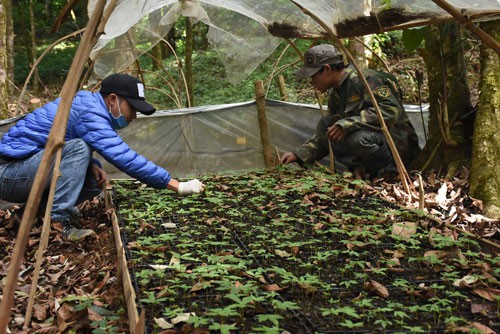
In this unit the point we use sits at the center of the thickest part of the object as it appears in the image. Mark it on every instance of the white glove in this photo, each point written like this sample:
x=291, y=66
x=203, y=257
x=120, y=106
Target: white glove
x=190, y=187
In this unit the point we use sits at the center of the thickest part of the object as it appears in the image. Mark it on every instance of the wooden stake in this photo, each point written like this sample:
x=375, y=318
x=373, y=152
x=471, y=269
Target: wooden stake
x=54, y=143
x=264, y=131
x=330, y=149
x=123, y=274
x=421, y=193
x=282, y=88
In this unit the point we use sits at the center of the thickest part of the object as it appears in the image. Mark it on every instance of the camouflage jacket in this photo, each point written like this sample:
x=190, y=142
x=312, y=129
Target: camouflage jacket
x=350, y=107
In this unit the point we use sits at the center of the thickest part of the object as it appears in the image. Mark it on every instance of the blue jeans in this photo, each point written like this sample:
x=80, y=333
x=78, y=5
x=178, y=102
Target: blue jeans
x=75, y=185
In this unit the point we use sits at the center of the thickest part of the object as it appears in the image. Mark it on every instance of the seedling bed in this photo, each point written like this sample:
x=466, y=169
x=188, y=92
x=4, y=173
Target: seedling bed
x=301, y=251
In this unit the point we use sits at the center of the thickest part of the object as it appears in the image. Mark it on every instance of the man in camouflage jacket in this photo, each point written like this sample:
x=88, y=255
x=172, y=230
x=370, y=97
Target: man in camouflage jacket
x=352, y=125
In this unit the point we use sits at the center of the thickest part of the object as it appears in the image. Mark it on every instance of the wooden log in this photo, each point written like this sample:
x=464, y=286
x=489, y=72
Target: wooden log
x=124, y=277
x=35, y=103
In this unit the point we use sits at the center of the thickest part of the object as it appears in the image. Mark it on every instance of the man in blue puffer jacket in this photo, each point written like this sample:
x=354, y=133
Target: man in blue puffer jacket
x=93, y=121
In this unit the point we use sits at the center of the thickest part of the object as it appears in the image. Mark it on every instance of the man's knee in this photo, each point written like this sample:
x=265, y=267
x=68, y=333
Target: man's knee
x=79, y=148
x=365, y=141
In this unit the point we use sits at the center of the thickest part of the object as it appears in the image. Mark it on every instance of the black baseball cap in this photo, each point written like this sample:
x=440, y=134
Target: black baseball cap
x=317, y=57
x=131, y=88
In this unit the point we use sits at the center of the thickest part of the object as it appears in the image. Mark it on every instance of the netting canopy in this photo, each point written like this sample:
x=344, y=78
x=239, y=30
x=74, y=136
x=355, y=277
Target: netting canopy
x=246, y=32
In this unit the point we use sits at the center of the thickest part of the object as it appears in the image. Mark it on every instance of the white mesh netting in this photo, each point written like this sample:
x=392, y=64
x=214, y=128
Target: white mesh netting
x=239, y=30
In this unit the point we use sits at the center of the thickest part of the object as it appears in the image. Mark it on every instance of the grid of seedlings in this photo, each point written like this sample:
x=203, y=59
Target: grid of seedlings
x=302, y=252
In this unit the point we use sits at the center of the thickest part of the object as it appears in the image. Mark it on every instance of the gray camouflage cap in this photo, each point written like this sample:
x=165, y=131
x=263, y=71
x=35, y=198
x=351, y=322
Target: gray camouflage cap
x=317, y=57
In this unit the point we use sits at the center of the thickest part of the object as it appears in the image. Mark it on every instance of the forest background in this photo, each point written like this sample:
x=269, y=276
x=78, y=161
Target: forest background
x=441, y=65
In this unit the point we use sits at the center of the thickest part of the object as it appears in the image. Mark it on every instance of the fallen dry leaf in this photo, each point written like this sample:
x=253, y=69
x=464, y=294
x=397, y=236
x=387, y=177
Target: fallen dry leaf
x=182, y=317
x=281, y=253
x=273, y=287
x=482, y=308
x=404, y=230
x=487, y=293
x=376, y=288
x=162, y=323
x=200, y=286
x=484, y=329
x=425, y=294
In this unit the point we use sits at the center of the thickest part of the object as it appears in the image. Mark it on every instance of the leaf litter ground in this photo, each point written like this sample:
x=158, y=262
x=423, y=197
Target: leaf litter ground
x=292, y=251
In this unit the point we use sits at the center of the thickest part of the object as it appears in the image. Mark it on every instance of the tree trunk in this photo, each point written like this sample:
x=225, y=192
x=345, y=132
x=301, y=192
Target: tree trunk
x=358, y=52
x=484, y=177
x=10, y=44
x=36, y=86
x=4, y=63
x=156, y=51
x=189, y=62
x=449, y=98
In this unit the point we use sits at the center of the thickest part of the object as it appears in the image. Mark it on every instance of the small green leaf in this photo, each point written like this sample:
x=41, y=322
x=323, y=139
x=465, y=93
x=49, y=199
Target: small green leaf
x=412, y=38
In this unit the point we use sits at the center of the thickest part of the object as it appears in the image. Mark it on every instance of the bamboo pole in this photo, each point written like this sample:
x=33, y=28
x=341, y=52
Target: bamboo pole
x=397, y=158
x=54, y=143
x=282, y=88
x=487, y=39
x=264, y=130
x=44, y=241
x=330, y=148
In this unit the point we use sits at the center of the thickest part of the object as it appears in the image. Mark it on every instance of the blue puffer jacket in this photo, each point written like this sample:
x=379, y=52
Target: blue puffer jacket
x=90, y=121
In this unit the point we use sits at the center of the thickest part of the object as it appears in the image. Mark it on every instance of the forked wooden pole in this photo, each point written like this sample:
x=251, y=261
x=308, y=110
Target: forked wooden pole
x=54, y=143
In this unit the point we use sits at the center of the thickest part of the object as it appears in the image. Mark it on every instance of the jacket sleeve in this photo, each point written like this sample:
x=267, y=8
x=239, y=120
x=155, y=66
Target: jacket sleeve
x=388, y=100
x=95, y=128
x=316, y=147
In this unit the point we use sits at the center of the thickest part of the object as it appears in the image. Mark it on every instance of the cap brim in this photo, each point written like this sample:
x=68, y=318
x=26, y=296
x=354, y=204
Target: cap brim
x=141, y=106
x=307, y=71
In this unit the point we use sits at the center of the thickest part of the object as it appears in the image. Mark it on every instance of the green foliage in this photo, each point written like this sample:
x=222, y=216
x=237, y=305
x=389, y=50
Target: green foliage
x=54, y=68
x=413, y=38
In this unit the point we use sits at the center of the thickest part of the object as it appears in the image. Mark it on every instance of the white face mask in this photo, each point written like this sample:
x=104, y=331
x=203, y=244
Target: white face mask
x=118, y=122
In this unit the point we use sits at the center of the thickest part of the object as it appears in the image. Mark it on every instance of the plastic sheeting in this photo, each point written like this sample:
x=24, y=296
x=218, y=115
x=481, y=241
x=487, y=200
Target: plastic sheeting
x=236, y=30
x=223, y=138
x=239, y=30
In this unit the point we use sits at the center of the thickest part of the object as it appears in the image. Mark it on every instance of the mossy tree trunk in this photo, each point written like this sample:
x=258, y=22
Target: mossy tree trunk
x=10, y=44
x=189, y=63
x=485, y=178
x=33, y=54
x=156, y=51
x=4, y=83
x=449, y=98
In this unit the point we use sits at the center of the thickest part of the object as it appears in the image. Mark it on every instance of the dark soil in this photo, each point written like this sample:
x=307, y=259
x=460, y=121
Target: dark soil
x=287, y=237
x=304, y=238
